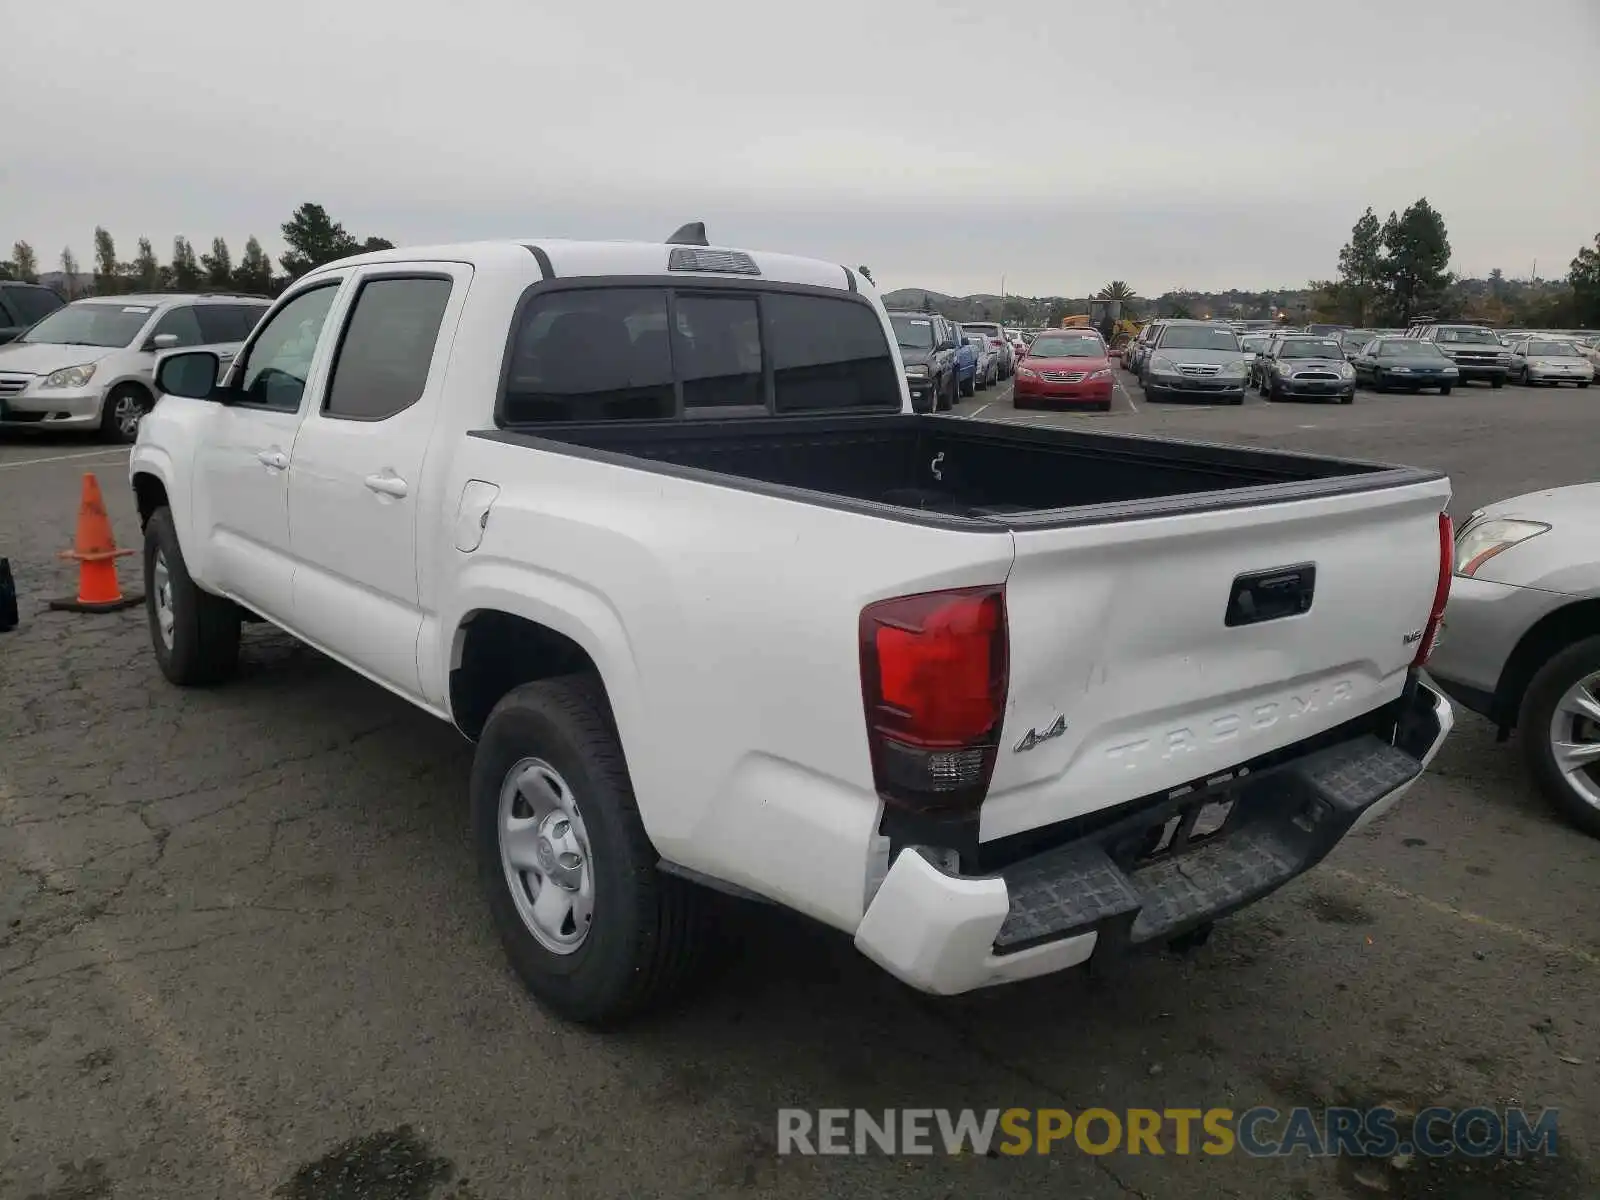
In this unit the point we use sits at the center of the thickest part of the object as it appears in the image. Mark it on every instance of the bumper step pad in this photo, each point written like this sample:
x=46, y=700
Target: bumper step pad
x=1291, y=816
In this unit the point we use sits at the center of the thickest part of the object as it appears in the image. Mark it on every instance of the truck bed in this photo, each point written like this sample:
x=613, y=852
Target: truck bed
x=956, y=471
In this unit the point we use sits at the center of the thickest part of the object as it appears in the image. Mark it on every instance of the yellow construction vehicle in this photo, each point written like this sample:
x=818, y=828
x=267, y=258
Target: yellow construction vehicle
x=1105, y=316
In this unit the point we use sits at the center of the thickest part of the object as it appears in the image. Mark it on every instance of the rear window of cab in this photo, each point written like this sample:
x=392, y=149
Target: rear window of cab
x=626, y=353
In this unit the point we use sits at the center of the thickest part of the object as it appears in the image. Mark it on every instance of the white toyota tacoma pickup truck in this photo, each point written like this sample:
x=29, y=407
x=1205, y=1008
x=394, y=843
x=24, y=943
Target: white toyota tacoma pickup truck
x=655, y=526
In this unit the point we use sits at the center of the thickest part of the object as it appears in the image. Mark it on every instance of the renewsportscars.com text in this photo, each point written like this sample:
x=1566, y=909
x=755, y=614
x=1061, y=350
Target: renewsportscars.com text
x=1259, y=1132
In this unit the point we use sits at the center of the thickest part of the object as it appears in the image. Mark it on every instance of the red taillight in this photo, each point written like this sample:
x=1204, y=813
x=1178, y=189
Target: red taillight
x=933, y=680
x=1441, y=592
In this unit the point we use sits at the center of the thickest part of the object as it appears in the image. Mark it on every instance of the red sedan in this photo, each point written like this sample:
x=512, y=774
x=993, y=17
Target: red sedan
x=1068, y=368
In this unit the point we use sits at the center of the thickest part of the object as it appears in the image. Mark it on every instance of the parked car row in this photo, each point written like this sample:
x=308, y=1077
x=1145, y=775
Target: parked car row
x=90, y=365
x=945, y=360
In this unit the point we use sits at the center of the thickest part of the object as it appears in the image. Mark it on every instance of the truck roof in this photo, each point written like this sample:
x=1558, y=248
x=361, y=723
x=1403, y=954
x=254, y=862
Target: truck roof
x=559, y=258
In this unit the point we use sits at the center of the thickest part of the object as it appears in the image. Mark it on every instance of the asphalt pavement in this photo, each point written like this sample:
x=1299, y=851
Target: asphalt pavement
x=242, y=951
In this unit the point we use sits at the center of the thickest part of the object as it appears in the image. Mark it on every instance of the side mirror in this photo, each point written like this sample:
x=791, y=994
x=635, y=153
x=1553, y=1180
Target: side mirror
x=192, y=375
x=164, y=341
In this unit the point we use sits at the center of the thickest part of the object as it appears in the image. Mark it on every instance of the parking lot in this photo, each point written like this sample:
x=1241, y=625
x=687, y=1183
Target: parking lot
x=242, y=948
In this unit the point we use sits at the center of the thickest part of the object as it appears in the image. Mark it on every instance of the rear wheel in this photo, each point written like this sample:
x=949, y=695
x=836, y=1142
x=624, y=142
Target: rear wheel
x=593, y=927
x=970, y=387
x=1560, y=730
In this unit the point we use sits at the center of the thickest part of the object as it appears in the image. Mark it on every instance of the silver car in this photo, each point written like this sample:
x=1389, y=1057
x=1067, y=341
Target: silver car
x=1521, y=640
x=1541, y=360
x=91, y=364
x=988, y=370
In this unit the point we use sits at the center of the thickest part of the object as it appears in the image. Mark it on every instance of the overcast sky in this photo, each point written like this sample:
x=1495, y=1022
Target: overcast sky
x=944, y=143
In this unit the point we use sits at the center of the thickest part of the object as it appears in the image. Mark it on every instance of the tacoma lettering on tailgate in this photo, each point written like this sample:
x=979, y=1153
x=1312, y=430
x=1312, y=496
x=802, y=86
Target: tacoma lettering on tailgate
x=1224, y=727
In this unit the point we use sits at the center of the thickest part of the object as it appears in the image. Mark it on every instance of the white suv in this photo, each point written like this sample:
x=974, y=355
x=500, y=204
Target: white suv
x=91, y=365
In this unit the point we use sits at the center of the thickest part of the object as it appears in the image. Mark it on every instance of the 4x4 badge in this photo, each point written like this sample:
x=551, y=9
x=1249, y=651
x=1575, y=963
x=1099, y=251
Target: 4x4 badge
x=1033, y=737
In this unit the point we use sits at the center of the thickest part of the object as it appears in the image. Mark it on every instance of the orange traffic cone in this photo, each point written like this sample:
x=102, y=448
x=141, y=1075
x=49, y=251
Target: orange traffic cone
x=96, y=554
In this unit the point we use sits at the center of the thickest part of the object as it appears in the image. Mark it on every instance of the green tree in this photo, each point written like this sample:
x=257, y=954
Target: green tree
x=867, y=275
x=218, y=265
x=1416, y=260
x=927, y=303
x=69, y=273
x=376, y=243
x=1497, y=284
x=1362, y=278
x=186, y=275
x=1583, y=275
x=24, y=263
x=146, y=270
x=107, y=276
x=253, y=275
x=1116, y=290
x=314, y=238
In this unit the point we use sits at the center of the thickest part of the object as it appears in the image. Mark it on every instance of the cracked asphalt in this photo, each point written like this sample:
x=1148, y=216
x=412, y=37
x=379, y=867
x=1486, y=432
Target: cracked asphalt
x=242, y=951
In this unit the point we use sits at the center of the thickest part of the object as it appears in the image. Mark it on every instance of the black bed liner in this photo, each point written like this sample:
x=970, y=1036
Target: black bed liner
x=956, y=472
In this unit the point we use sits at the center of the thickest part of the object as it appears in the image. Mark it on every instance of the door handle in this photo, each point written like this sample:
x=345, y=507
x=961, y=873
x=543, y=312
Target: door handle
x=277, y=460
x=386, y=485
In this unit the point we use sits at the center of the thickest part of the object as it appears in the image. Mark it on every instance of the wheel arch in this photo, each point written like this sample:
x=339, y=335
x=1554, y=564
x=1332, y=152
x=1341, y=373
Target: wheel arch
x=498, y=645
x=1545, y=638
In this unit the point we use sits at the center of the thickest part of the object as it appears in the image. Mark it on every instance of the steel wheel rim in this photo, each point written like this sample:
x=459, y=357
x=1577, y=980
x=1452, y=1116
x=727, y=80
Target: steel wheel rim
x=545, y=855
x=161, y=590
x=1575, y=738
x=127, y=413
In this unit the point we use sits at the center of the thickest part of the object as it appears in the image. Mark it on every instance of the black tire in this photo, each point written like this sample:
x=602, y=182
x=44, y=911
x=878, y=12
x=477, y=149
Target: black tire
x=1582, y=384
x=1499, y=381
x=1445, y=390
x=970, y=387
x=648, y=929
x=1347, y=399
x=117, y=411
x=1274, y=393
x=1533, y=728
x=1380, y=387
x=1237, y=400
x=205, y=628
x=1105, y=406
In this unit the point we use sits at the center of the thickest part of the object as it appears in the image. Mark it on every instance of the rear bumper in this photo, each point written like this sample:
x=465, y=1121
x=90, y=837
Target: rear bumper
x=945, y=933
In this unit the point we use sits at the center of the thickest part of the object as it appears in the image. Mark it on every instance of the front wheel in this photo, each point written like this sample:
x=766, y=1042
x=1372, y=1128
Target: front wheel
x=124, y=408
x=195, y=635
x=1444, y=391
x=1560, y=729
x=1499, y=381
x=596, y=931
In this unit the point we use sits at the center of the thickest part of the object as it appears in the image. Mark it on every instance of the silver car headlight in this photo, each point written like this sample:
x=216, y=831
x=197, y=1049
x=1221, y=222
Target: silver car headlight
x=70, y=377
x=1159, y=363
x=1234, y=368
x=1346, y=371
x=1481, y=541
x=917, y=372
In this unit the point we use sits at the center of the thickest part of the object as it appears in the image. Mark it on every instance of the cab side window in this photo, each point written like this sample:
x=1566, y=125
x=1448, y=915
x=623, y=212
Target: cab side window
x=277, y=364
x=387, y=349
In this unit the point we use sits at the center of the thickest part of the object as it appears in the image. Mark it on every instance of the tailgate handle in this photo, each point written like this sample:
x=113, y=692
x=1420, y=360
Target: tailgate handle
x=1269, y=595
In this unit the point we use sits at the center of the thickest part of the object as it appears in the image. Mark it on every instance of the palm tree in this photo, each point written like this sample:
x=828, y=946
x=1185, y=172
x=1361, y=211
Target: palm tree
x=1116, y=290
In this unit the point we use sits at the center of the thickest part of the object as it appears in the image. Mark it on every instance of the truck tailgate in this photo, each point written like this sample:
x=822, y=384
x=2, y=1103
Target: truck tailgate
x=1127, y=678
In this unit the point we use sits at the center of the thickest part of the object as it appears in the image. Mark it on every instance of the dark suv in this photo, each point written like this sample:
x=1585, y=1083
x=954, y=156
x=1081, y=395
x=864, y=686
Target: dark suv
x=928, y=347
x=1475, y=350
x=21, y=304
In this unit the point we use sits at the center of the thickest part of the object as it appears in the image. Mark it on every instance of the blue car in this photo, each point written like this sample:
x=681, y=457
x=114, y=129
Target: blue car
x=966, y=363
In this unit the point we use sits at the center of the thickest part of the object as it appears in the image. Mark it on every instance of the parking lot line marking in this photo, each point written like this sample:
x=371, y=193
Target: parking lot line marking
x=1527, y=936
x=976, y=411
x=55, y=458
